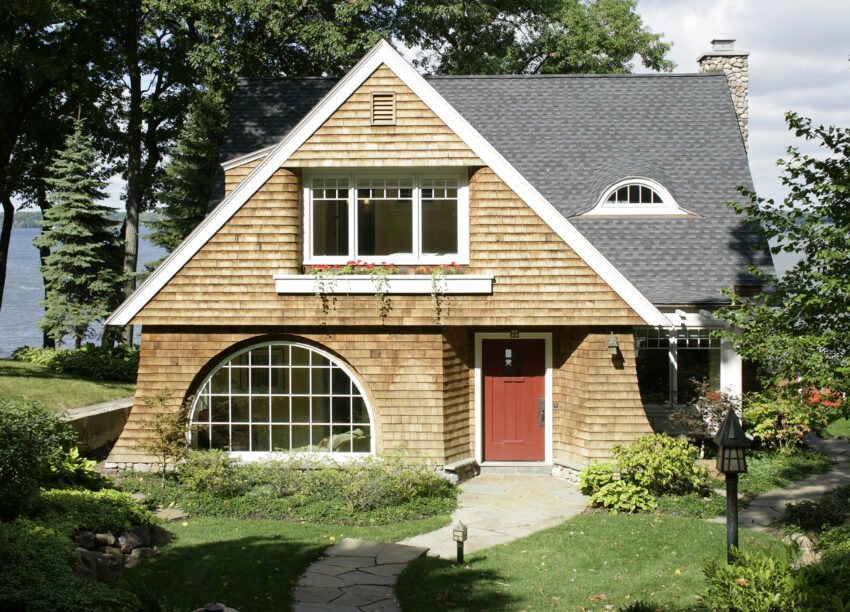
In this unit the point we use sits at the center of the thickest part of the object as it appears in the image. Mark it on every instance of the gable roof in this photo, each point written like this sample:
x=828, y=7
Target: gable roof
x=479, y=121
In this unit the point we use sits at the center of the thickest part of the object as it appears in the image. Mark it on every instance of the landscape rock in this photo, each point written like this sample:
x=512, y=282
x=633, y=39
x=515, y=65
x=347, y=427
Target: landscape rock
x=108, y=566
x=130, y=561
x=129, y=541
x=143, y=552
x=87, y=539
x=144, y=534
x=112, y=550
x=87, y=567
x=105, y=539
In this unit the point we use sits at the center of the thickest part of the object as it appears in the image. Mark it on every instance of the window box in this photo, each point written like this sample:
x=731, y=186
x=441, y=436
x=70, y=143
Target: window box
x=399, y=284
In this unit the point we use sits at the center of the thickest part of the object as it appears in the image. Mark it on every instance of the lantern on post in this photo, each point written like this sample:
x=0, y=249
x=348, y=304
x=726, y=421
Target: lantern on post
x=459, y=532
x=613, y=345
x=731, y=460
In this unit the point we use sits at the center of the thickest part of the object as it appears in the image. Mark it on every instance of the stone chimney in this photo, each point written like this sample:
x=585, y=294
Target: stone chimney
x=724, y=58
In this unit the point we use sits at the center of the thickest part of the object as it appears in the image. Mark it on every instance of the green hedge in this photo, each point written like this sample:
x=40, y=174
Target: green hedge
x=119, y=363
x=98, y=511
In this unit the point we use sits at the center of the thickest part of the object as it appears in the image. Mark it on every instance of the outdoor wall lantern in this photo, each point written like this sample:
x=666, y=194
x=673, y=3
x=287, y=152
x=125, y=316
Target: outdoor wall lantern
x=613, y=345
x=514, y=333
x=459, y=532
x=731, y=460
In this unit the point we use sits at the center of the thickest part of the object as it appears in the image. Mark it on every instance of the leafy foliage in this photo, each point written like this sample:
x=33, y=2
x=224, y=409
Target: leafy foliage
x=757, y=581
x=662, y=464
x=623, y=496
x=169, y=442
x=119, y=363
x=31, y=441
x=541, y=36
x=372, y=491
x=595, y=476
x=780, y=420
x=799, y=330
x=702, y=417
x=98, y=511
x=82, y=271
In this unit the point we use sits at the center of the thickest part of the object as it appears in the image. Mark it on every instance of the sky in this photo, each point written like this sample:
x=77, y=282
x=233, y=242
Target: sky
x=799, y=54
x=798, y=61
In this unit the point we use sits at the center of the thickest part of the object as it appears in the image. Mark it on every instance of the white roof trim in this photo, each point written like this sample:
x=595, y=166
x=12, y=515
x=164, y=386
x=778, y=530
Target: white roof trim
x=383, y=53
x=235, y=162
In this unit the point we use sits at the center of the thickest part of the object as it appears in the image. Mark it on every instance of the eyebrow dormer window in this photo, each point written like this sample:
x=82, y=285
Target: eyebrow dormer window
x=637, y=197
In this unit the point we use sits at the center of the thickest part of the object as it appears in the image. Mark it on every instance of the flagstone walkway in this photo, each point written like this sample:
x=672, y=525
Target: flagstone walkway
x=499, y=508
x=765, y=509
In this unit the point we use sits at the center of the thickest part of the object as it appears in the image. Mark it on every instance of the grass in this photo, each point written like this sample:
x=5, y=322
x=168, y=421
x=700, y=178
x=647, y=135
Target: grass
x=57, y=391
x=771, y=470
x=839, y=427
x=250, y=565
x=589, y=562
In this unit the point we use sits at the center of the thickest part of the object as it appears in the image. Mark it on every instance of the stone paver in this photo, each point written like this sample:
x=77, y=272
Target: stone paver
x=500, y=508
x=765, y=509
x=354, y=575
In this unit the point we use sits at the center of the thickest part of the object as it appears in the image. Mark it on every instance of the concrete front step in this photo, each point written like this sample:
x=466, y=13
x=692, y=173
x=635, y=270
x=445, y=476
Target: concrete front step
x=531, y=470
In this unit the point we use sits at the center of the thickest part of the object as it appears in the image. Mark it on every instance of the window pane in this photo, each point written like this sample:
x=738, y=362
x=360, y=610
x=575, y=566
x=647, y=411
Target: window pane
x=330, y=227
x=645, y=195
x=322, y=438
x=301, y=381
x=220, y=409
x=280, y=355
x=239, y=380
x=260, y=380
x=439, y=226
x=239, y=409
x=260, y=438
x=341, y=440
x=300, y=438
x=361, y=439
x=280, y=380
x=239, y=438
x=240, y=360
x=260, y=356
x=218, y=382
x=260, y=409
x=321, y=381
x=358, y=411
x=280, y=437
x=280, y=409
x=384, y=227
x=653, y=372
x=202, y=412
x=695, y=366
x=321, y=410
x=341, y=410
x=300, y=409
x=341, y=384
x=300, y=356
x=220, y=436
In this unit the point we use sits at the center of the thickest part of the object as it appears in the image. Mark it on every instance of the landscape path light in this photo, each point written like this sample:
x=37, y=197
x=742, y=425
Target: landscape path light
x=731, y=460
x=459, y=532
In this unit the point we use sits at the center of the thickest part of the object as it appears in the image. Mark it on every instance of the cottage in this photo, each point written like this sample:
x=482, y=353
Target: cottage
x=583, y=229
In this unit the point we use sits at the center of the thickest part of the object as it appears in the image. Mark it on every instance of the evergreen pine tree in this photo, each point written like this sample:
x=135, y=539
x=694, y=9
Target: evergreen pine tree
x=83, y=273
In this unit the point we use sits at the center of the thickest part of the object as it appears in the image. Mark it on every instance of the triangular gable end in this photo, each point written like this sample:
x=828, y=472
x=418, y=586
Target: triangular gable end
x=383, y=53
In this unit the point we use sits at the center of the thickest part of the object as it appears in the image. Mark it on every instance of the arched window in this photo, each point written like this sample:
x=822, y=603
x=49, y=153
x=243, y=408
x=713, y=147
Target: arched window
x=636, y=196
x=282, y=396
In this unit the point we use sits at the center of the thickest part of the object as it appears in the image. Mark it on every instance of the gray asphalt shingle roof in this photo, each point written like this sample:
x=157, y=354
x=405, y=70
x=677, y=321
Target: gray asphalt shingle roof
x=572, y=136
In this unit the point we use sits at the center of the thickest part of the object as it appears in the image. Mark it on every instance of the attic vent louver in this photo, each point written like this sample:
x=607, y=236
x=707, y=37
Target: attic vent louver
x=383, y=108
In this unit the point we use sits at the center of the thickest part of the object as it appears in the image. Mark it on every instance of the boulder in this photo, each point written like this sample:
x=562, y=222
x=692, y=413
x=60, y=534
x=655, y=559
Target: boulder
x=108, y=566
x=143, y=552
x=87, y=539
x=144, y=534
x=130, y=561
x=128, y=541
x=112, y=550
x=87, y=566
x=105, y=539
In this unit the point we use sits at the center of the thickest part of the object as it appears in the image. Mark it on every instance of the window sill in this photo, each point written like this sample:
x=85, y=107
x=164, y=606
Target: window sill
x=398, y=284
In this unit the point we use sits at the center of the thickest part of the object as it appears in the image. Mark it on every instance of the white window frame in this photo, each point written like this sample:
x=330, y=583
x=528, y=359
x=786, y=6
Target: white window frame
x=417, y=257
x=249, y=456
x=668, y=206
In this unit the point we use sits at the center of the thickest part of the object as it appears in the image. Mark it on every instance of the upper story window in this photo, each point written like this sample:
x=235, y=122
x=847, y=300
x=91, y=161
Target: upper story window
x=637, y=196
x=398, y=218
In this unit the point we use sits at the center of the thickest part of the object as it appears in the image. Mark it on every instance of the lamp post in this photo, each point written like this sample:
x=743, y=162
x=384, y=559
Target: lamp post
x=731, y=460
x=459, y=532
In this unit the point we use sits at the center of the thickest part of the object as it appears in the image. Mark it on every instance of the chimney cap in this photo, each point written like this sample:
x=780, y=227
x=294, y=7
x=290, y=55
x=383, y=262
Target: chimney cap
x=723, y=44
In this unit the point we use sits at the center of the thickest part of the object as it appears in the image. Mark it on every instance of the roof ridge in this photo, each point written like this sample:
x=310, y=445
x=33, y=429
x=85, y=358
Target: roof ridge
x=577, y=76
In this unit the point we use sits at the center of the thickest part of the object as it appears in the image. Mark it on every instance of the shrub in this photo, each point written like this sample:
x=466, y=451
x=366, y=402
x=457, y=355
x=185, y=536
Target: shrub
x=831, y=510
x=119, y=363
x=73, y=470
x=37, y=571
x=622, y=496
x=595, y=476
x=661, y=464
x=31, y=440
x=73, y=510
x=168, y=442
x=780, y=421
x=214, y=472
x=757, y=582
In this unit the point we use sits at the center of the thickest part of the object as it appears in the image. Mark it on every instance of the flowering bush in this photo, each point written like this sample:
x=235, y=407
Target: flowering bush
x=780, y=421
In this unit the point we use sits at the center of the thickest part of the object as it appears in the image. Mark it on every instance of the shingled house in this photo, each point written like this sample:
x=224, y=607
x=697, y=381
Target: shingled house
x=584, y=220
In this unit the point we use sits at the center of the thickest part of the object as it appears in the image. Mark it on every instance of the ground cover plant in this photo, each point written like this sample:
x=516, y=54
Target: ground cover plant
x=114, y=363
x=835, y=429
x=248, y=564
x=56, y=390
x=590, y=562
x=768, y=470
x=370, y=491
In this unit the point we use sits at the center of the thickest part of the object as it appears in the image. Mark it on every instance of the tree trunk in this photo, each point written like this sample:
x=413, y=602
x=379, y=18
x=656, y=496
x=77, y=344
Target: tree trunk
x=47, y=341
x=5, y=238
x=134, y=167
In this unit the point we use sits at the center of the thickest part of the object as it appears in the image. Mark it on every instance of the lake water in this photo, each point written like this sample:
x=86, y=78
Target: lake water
x=20, y=311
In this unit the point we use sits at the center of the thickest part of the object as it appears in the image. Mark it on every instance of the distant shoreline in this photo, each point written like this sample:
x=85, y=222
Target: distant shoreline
x=30, y=219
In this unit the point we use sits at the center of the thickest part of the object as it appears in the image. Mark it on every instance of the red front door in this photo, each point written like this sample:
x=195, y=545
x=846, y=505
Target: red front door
x=514, y=372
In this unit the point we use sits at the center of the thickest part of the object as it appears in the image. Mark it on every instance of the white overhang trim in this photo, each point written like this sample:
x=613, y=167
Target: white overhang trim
x=247, y=157
x=383, y=53
x=398, y=284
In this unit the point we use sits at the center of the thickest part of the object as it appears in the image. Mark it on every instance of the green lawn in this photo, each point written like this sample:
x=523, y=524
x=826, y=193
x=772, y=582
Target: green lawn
x=589, y=562
x=840, y=427
x=250, y=565
x=771, y=470
x=55, y=390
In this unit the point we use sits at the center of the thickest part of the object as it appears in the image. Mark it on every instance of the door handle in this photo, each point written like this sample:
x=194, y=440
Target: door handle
x=541, y=411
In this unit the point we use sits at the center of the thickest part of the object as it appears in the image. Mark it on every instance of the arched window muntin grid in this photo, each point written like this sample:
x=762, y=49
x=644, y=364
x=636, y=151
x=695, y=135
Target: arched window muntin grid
x=637, y=196
x=282, y=395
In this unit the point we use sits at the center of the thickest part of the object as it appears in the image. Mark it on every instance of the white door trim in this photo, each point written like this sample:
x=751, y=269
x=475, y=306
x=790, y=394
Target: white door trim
x=478, y=421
